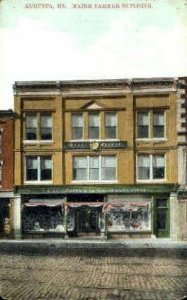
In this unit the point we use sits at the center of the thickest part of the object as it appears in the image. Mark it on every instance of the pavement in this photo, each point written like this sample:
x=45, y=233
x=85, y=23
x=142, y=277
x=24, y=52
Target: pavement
x=77, y=276
x=141, y=247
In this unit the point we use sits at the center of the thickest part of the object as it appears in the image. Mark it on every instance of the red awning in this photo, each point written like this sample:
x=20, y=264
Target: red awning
x=89, y=204
x=48, y=203
x=128, y=206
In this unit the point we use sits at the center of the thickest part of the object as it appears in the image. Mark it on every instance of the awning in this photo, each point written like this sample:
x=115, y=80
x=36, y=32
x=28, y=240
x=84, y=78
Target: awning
x=80, y=204
x=44, y=202
x=128, y=206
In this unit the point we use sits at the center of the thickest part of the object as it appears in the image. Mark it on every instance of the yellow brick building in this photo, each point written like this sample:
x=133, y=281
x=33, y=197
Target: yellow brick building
x=97, y=157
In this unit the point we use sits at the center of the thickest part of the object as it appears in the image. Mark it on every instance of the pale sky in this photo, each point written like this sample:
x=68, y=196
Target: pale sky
x=65, y=44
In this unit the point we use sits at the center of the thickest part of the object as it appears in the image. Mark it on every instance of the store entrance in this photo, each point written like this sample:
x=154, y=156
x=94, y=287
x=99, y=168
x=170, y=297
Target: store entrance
x=87, y=219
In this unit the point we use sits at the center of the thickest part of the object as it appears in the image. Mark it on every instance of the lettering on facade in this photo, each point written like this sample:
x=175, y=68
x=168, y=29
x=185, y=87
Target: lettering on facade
x=96, y=145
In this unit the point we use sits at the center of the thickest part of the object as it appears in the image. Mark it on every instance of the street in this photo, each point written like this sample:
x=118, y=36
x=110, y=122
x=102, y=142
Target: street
x=76, y=276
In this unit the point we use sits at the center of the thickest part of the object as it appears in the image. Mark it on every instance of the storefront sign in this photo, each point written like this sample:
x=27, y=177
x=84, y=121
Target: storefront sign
x=96, y=145
x=86, y=189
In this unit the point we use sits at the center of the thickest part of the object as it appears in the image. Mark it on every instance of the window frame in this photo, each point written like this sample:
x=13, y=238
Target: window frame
x=83, y=129
x=38, y=128
x=151, y=179
x=151, y=125
x=102, y=125
x=100, y=180
x=116, y=127
x=39, y=181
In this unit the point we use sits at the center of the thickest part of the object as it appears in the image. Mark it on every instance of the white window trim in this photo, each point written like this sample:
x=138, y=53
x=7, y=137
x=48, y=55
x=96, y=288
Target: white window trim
x=117, y=125
x=37, y=141
x=151, y=169
x=38, y=181
x=100, y=171
x=147, y=139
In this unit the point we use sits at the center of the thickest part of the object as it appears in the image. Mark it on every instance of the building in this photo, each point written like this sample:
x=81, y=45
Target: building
x=6, y=171
x=98, y=158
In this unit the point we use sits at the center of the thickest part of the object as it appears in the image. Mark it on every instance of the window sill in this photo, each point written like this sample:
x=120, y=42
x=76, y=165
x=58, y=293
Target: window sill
x=95, y=140
x=151, y=180
x=30, y=142
x=38, y=182
x=94, y=182
x=152, y=140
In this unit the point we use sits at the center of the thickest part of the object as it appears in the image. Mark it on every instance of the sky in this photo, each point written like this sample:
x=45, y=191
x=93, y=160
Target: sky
x=53, y=43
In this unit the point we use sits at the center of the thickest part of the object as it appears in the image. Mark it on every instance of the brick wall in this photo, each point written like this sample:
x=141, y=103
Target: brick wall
x=6, y=153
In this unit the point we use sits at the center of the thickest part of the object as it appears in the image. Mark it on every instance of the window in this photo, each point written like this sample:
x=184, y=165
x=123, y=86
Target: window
x=77, y=126
x=143, y=125
x=1, y=170
x=108, y=164
x=151, y=124
x=31, y=127
x=93, y=130
x=151, y=167
x=158, y=124
x=94, y=125
x=39, y=127
x=94, y=168
x=46, y=127
x=110, y=125
x=38, y=168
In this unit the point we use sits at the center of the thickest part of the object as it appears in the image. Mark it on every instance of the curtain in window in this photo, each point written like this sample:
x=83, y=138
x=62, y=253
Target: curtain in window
x=158, y=161
x=31, y=121
x=94, y=120
x=109, y=162
x=32, y=162
x=144, y=161
x=80, y=162
x=46, y=163
x=78, y=120
x=94, y=162
x=158, y=119
x=143, y=118
x=46, y=121
x=111, y=120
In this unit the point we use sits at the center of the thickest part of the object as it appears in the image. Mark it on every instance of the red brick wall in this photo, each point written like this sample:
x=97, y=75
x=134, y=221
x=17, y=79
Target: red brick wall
x=6, y=155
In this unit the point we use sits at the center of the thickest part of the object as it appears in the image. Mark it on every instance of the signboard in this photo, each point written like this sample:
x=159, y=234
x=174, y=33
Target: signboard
x=96, y=145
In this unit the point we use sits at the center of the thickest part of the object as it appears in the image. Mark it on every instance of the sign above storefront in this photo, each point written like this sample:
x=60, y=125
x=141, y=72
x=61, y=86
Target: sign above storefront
x=87, y=189
x=95, y=145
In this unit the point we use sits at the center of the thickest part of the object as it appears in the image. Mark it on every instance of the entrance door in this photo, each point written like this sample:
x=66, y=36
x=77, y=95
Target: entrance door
x=88, y=219
x=161, y=218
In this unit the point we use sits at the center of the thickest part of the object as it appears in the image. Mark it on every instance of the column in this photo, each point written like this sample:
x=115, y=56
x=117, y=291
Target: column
x=65, y=220
x=17, y=217
x=174, y=216
x=105, y=220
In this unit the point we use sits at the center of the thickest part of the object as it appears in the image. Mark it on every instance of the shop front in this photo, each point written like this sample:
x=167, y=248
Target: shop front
x=112, y=212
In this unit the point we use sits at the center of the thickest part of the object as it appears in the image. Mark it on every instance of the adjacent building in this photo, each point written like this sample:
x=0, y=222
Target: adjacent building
x=6, y=171
x=99, y=158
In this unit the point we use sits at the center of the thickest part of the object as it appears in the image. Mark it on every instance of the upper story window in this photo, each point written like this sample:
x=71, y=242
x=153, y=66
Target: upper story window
x=77, y=126
x=110, y=125
x=94, y=125
x=38, y=127
x=93, y=131
x=38, y=168
x=94, y=168
x=151, y=124
x=151, y=167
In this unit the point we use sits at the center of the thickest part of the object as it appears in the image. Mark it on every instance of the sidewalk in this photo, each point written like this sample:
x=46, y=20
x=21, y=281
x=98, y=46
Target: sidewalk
x=148, y=247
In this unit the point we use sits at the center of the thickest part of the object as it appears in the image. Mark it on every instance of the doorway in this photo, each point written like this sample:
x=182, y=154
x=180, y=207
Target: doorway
x=161, y=218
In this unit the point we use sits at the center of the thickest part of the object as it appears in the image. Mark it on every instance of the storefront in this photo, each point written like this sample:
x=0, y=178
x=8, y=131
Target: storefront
x=113, y=212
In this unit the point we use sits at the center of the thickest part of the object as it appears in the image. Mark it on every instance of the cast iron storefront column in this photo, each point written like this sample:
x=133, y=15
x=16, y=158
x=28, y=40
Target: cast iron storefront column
x=65, y=220
x=17, y=217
